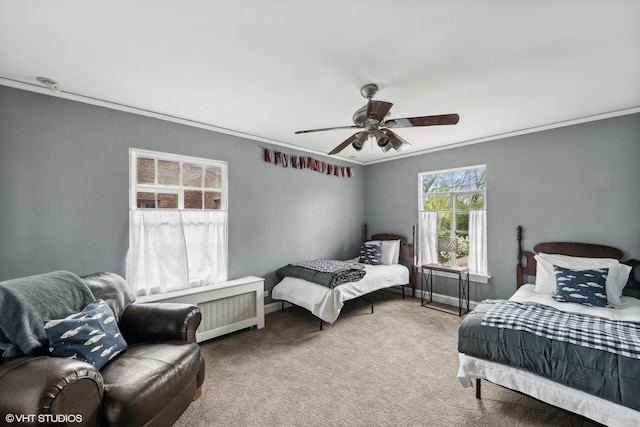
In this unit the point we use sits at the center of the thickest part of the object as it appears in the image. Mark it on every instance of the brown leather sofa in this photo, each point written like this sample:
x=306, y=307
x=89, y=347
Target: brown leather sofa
x=151, y=383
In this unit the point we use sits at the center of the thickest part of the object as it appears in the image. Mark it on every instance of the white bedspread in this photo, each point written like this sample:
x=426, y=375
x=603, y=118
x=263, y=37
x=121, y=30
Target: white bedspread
x=628, y=311
x=576, y=401
x=325, y=302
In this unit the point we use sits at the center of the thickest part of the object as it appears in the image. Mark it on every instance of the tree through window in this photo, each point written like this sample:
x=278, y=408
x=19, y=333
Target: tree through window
x=453, y=197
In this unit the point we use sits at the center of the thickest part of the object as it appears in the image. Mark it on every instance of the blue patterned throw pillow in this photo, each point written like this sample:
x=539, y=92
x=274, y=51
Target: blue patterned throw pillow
x=370, y=253
x=587, y=287
x=91, y=335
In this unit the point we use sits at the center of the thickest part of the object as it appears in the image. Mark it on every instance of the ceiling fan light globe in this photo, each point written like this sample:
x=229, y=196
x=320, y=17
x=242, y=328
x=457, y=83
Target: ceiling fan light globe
x=386, y=147
x=381, y=138
x=361, y=137
x=383, y=141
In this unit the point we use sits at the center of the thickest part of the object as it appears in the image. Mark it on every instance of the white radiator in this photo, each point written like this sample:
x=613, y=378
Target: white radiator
x=226, y=307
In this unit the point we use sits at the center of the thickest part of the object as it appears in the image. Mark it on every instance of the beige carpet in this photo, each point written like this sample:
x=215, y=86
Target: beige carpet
x=396, y=367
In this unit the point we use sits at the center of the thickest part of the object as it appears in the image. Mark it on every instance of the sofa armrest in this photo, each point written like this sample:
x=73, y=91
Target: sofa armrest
x=40, y=388
x=160, y=322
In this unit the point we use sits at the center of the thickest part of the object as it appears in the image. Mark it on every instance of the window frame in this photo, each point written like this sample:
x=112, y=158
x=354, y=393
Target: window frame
x=135, y=186
x=452, y=210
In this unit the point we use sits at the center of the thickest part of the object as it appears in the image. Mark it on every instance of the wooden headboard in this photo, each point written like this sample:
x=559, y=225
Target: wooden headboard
x=407, y=251
x=527, y=264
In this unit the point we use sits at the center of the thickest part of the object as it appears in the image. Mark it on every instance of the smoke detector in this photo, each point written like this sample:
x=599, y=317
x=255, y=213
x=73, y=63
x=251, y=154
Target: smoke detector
x=51, y=84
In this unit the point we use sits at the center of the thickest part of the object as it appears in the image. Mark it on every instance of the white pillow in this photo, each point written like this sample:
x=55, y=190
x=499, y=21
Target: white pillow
x=395, y=244
x=546, y=279
x=616, y=279
x=390, y=251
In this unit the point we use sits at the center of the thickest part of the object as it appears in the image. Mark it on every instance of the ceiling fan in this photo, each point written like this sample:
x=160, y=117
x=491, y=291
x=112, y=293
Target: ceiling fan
x=372, y=119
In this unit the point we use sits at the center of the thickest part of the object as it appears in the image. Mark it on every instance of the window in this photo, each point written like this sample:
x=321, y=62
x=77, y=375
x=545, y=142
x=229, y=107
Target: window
x=177, y=222
x=167, y=181
x=452, y=210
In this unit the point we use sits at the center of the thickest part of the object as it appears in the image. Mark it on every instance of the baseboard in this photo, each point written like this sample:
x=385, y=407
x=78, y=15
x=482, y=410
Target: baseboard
x=275, y=306
x=445, y=299
x=439, y=298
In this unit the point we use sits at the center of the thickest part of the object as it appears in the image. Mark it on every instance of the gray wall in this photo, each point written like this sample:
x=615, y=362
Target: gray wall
x=577, y=183
x=64, y=191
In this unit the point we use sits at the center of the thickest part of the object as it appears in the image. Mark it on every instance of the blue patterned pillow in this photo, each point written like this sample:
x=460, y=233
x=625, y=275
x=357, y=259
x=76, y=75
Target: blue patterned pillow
x=91, y=335
x=587, y=287
x=371, y=253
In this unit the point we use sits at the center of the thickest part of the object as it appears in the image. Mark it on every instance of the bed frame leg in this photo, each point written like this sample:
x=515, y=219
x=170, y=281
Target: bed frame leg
x=320, y=324
x=282, y=305
x=371, y=302
x=402, y=291
x=478, y=389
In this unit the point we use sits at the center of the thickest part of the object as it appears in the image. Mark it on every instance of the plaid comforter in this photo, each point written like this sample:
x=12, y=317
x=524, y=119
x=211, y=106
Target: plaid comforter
x=329, y=265
x=327, y=272
x=618, y=337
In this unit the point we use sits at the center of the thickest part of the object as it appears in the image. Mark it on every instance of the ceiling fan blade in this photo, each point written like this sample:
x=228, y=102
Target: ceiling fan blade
x=443, y=119
x=344, y=145
x=398, y=143
x=323, y=129
x=377, y=110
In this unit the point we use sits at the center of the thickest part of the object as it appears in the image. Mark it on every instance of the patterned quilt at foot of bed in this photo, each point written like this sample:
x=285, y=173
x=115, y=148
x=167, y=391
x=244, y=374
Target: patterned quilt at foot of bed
x=327, y=272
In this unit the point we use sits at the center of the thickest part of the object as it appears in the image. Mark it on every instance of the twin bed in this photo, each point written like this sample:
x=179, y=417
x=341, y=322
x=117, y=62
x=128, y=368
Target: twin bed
x=571, y=338
x=313, y=287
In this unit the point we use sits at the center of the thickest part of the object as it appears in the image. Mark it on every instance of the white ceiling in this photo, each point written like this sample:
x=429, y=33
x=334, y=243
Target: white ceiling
x=264, y=69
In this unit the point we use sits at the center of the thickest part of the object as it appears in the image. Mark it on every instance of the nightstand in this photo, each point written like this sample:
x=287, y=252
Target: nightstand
x=426, y=284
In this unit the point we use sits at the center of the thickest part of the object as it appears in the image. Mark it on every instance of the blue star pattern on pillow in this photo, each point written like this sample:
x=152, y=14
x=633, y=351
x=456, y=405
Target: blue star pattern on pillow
x=587, y=287
x=371, y=253
x=91, y=335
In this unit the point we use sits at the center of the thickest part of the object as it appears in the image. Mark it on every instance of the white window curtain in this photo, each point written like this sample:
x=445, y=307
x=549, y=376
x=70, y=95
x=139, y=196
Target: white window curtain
x=205, y=239
x=478, y=242
x=427, y=237
x=171, y=249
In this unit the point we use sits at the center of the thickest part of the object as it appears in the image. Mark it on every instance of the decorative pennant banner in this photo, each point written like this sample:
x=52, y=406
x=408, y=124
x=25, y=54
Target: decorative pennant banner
x=299, y=162
x=268, y=156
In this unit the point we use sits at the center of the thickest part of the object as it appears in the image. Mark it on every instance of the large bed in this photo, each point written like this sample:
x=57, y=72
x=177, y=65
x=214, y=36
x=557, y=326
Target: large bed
x=325, y=301
x=558, y=340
